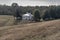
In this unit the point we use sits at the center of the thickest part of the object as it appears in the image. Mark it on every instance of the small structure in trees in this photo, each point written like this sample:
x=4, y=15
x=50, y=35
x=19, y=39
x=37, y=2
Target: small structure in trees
x=27, y=17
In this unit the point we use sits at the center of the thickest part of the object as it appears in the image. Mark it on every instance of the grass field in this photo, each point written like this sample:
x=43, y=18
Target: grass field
x=49, y=30
x=6, y=20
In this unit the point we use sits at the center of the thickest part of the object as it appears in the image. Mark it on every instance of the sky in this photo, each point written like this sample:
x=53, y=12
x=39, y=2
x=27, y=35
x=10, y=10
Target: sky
x=31, y=2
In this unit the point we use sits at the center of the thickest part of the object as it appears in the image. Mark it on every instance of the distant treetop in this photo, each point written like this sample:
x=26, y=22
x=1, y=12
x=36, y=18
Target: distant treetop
x=14, y=4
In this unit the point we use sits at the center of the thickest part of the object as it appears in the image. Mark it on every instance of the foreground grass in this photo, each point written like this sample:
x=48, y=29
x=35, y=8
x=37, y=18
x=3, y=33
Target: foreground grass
x=49, y=30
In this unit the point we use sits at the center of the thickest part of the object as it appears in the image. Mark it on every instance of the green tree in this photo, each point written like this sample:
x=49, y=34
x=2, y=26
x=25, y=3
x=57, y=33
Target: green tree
x=37, y=15
x=16, y=11
x=46, y=15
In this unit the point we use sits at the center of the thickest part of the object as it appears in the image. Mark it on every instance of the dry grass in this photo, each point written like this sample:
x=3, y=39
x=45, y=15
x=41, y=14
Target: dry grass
x=49, y=30
x=6, y=20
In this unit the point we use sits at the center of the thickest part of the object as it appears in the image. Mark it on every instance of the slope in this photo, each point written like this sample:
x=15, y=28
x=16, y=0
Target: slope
x=49, y=30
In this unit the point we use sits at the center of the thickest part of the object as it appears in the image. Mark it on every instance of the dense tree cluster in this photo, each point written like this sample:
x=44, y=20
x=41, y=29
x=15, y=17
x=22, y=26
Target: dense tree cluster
x=53, y=12
x=45, y=12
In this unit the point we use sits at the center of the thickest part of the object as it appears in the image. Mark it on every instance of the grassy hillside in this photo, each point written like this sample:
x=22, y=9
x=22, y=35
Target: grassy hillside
x=6, y=20
x=49, y=30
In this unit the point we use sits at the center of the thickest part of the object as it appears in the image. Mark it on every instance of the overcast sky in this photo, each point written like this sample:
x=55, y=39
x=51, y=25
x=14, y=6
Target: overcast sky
x=31, y=2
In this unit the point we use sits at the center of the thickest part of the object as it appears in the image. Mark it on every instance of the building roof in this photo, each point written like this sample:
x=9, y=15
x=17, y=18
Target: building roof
x=27, y=14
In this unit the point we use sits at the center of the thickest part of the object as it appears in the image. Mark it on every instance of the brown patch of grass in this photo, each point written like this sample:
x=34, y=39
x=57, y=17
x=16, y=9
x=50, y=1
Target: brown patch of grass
x=49, y=30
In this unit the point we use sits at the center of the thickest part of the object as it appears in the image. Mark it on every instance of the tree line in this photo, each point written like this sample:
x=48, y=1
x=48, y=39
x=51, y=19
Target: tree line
x=45, y=12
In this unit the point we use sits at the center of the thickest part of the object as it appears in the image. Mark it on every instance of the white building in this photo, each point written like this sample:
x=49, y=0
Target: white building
x=27, y=17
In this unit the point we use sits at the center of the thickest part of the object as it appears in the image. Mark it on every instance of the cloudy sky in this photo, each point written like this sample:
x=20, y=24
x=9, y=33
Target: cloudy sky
x=31, y=2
